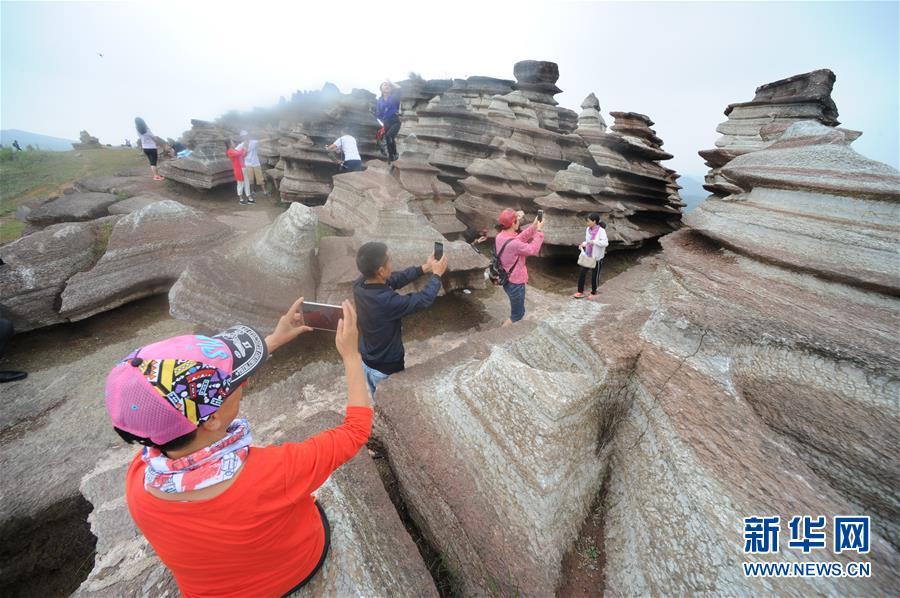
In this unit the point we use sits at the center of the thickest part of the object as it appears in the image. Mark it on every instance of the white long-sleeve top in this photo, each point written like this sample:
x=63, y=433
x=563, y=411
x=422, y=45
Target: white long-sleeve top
x=595, y=244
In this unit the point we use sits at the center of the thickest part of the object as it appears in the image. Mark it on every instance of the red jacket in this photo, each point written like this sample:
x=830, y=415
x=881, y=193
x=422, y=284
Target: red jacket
x=261, y=536
x=237, y=163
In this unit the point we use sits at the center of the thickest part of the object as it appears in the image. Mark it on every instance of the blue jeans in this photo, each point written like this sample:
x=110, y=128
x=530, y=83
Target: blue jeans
x=373, y=378
x=516, y=294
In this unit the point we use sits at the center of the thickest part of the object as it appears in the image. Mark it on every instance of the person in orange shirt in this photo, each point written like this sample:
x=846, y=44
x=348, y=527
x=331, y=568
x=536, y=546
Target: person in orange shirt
x=228, y=518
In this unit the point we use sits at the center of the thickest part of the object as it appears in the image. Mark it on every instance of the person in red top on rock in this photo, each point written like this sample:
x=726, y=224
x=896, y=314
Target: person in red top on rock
x=237, y=164
x=516, y=245
x=227, y=518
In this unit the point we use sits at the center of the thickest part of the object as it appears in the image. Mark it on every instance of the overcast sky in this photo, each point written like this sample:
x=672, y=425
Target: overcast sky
x=679, y=63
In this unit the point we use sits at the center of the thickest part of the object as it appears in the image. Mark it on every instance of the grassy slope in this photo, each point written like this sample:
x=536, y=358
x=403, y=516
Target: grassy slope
x=36, y=174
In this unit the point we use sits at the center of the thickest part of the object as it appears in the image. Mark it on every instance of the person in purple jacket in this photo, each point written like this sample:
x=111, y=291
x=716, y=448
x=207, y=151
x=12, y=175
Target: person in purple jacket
x=516, y=245
x=388, y=111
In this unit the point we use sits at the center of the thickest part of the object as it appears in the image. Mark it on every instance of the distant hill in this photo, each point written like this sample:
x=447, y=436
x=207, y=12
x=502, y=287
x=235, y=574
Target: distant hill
x=45, y=142
x=692, y=191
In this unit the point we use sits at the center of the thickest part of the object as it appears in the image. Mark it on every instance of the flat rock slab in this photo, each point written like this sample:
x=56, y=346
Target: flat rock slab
x=117, y=185
x=133, y=204
x=72, y=207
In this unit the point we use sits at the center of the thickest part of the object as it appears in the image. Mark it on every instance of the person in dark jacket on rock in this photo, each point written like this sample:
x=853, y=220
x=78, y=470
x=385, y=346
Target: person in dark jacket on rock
x=381, y=308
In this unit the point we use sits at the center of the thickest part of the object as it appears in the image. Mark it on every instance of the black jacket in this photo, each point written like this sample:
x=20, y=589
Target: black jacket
x=380, y=309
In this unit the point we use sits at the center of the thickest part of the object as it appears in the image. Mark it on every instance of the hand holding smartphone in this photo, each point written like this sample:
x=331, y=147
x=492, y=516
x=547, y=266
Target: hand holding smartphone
x=322, y=316
x=438, y=251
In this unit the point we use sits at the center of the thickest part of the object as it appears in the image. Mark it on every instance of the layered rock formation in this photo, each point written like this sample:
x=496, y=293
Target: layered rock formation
x=35, y=268
x=372, y=206
x=371, y=553
x=753, y=371
x=255, y=280
x=87, y=141
x=507, y=150
x=478, y=145
x=146, y=252
x=93, y=259
x=207, y=166
x=433, y=197
x=775, y=105
x=844, y=208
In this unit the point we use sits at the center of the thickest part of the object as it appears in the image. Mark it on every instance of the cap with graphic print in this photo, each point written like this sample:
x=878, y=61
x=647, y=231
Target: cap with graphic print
x=165, y=390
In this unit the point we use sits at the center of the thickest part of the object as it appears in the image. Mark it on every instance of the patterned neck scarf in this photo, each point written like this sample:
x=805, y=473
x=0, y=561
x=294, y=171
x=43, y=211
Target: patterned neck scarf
x=216, y=463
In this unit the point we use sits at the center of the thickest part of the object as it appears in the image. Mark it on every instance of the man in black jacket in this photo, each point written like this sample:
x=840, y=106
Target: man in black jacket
x=381, y=308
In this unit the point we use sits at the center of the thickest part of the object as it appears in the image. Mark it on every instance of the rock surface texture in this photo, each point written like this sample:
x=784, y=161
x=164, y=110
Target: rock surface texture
x=371, y=552
x=35, y=269
x=372, y=206
x=89, y=251
x=753, y=372
x=72, y=207
x=775, y=105
x=495, y=447
x=255, y=281
x=147, y=251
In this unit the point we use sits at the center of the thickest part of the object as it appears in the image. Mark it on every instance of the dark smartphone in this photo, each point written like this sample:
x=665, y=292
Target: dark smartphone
x=540, y=215
x=438, y=250
x=322, y=316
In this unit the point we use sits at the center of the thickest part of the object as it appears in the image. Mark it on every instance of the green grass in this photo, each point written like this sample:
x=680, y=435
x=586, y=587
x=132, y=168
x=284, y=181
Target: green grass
x=34, y=174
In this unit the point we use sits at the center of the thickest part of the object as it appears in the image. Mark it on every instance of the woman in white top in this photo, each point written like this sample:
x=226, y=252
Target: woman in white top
x=148, y=144
x=594, y=246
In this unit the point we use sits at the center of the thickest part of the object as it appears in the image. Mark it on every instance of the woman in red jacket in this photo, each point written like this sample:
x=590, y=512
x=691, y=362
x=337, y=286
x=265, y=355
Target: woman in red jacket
x=227, y=518
x=237, y=164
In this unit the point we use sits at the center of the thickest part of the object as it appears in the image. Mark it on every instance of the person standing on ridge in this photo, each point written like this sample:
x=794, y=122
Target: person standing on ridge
x=513, y=246
x=387, y=109
x=147, y=142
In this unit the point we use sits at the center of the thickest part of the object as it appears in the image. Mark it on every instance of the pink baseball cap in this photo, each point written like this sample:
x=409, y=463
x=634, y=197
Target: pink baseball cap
x=165, y=390
x=507, y=218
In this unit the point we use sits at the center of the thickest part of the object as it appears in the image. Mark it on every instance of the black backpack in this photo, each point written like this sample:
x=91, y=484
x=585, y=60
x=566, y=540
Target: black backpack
x=495, y=272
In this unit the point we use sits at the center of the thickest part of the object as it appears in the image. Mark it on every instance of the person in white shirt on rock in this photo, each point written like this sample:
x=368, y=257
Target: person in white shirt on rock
x=346, y=143
x=252, y=167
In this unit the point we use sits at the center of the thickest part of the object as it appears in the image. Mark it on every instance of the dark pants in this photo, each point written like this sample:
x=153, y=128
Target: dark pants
x=516, y=294
x=351, y=166
x=321, y=562
x=595, y=277
x=6, y=333
x=152, y=155
x=391, y=128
